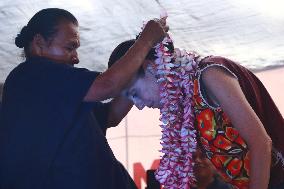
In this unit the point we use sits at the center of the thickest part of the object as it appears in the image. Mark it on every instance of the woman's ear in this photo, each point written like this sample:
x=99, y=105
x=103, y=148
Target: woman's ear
x=38, y=44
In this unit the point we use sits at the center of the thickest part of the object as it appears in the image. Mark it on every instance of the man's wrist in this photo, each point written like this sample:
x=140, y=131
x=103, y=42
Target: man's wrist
x=145, y=42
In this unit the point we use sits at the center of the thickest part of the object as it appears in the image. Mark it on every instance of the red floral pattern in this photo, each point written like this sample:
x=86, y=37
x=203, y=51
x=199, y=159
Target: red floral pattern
x=234, y=167
x=206, y=124
x=221, y=141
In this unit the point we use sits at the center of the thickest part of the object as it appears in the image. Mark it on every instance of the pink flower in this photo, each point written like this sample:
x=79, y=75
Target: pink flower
x=178, y=134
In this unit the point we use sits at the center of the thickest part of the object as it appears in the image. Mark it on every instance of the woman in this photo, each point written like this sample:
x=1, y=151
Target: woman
x=237, y=123
x=52, y=122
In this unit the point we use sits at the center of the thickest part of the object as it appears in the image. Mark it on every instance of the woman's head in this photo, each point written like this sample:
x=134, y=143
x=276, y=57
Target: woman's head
x=51, y=33
x=143, y=90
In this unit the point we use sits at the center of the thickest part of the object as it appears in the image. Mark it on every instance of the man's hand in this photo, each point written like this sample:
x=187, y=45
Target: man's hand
x=154, y=31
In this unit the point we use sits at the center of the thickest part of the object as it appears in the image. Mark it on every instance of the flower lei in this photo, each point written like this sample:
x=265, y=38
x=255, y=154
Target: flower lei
x=175, y=74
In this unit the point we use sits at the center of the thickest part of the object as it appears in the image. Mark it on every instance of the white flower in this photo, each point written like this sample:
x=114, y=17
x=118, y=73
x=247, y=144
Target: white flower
x=176, y=93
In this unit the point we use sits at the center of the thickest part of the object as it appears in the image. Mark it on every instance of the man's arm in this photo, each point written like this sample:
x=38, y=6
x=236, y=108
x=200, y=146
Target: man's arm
x=110, y=83
x=119, y=108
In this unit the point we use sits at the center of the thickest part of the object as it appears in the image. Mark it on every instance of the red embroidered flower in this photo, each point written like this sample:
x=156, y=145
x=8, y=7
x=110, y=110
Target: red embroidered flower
x=219, y=160
x=206, y=124
x=222, y=143
x=231, y=133
x=234, y=167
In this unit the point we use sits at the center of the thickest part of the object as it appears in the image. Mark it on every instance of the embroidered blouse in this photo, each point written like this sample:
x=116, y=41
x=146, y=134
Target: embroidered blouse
x=220, y=141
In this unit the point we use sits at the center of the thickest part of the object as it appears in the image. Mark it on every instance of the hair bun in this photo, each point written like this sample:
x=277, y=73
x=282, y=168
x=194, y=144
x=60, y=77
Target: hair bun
x=22, y=38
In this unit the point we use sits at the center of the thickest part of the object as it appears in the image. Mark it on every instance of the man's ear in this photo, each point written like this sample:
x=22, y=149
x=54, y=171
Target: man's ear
x=38, y=45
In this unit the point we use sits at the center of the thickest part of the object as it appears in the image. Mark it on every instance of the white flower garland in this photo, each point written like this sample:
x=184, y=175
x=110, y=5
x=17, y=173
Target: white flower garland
x=175, y=74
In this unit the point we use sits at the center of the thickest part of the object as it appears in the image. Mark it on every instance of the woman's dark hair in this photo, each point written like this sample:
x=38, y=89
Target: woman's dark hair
x=45, y=23
x=123, y=47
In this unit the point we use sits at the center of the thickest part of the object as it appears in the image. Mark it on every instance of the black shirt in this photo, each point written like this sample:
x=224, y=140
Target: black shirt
x=49, y=137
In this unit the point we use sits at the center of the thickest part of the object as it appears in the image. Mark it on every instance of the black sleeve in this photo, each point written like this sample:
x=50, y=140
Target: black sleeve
x=101, y=112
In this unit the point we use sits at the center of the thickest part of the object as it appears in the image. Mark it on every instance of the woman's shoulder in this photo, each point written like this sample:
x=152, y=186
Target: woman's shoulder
x=213, y=66
x=218, y=65
x=215, y=60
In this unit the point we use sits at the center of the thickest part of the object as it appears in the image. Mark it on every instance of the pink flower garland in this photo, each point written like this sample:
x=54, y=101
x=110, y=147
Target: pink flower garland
x=175, y=74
